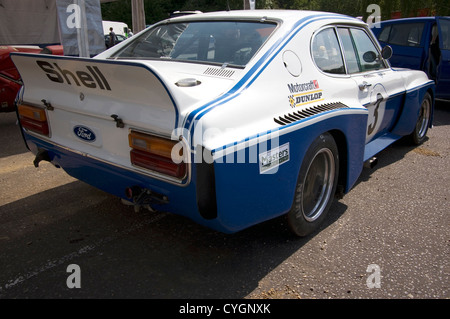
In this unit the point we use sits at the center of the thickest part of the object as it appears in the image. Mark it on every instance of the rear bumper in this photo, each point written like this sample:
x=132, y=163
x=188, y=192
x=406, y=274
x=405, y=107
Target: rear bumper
x=117, y=181
x=113, y=179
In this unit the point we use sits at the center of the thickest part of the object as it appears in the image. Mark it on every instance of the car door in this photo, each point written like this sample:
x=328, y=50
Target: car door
x=408, y=41
x=379, y=89
x=443, y=68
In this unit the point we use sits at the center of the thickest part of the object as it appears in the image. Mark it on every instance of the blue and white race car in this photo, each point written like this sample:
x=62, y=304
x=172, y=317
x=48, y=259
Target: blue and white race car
x=229, y=118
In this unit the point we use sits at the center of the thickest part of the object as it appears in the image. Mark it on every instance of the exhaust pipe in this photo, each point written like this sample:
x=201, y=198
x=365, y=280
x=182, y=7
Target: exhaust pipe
x=142, y=197
x=371, y=162
x=42, y=155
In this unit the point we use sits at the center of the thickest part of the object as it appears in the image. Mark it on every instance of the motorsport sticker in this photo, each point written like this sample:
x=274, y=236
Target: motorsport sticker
x=273, y=158
x=304, y=93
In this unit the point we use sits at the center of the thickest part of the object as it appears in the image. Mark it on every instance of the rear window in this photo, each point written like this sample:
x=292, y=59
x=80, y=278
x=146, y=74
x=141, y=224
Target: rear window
x=222, y=42
x=405, y=34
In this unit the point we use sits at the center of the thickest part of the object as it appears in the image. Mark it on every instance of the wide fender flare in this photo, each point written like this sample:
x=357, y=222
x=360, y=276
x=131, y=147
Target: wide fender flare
x=245, y=196
x=411, y=109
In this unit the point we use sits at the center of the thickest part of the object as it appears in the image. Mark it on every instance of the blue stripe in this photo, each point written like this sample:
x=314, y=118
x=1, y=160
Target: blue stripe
x=429, y=83
x=287, y=126
x=416, y=88
x=253, y=72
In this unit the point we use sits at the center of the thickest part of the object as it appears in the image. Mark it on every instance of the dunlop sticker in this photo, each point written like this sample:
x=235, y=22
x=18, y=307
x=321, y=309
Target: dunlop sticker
x=304, y=93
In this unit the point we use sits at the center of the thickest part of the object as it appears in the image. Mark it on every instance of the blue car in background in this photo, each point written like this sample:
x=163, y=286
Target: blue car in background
x=420, y=43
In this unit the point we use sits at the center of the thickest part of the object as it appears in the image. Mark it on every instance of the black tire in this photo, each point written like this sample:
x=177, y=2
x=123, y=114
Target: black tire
x=423, y=121
x=316, y=186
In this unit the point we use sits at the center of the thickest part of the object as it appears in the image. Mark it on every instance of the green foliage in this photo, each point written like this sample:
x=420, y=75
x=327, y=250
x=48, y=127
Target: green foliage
x=156, y=10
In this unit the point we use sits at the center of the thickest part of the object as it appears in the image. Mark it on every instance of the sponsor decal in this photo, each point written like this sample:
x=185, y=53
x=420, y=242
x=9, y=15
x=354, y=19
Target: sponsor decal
x=90, y=77
x=304, y=93
x=303, y=87
x=84, y=133
x=273, y=158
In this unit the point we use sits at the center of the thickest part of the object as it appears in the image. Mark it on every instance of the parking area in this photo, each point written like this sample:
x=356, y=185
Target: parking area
x=388, y=238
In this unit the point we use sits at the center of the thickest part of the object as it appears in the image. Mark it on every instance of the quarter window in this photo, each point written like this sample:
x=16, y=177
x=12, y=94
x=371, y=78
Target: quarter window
x=327, y=53
x=384, y=34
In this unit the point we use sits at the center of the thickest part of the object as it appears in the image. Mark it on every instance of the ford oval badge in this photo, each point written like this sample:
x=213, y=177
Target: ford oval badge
x=84, y=133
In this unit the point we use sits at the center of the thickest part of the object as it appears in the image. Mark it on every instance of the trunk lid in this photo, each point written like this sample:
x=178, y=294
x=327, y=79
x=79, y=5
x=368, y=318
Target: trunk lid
x=92, y=105
x=99, y=89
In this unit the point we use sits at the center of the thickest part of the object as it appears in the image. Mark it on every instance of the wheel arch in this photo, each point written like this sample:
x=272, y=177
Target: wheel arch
x=342, y=145
x=433, y=101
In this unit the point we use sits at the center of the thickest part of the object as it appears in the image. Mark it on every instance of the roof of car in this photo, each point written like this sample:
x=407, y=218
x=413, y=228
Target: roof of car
x=412, y=19
x=285, y=15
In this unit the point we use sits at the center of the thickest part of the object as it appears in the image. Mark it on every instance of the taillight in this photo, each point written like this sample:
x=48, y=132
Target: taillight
x=155, y=153
x=33, y=119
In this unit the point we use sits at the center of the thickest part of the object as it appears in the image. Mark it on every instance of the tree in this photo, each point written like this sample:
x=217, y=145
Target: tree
x=156, y=10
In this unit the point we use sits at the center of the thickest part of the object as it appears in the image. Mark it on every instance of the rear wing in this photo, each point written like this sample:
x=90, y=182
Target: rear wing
x=99, y=88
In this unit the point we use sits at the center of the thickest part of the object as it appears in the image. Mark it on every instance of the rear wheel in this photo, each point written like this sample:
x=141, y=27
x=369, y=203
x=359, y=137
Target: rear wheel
x=423, y=122
x=316, y=186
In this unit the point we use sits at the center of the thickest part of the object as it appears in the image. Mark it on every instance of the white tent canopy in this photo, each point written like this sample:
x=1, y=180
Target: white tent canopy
x=29, y=22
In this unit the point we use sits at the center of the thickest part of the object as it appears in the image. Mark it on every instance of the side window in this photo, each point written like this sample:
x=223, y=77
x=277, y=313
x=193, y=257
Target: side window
x=351, y=59
x=384, y=34
x=326, y=52
x=365, y=51
x=405, y=34
x=445, y=33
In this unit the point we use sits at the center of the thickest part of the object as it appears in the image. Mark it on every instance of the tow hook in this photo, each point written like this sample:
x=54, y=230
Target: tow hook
x=142, y=197
x=42, y=155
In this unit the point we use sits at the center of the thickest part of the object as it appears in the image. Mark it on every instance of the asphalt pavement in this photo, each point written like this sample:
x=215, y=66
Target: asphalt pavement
x=388, y=238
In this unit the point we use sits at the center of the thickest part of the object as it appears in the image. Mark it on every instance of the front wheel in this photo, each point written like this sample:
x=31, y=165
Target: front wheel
x=423, y=121
x=316, y=186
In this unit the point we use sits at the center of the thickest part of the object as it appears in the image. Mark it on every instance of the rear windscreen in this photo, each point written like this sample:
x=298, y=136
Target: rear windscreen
x=230, y=42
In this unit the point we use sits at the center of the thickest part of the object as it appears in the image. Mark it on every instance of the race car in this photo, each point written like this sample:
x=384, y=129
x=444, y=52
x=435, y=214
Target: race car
x=10, y=81
x=228, y=118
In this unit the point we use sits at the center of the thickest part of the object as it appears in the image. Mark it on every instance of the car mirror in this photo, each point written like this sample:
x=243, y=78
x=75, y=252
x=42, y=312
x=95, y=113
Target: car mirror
x=386, y=53
x=369, y=56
